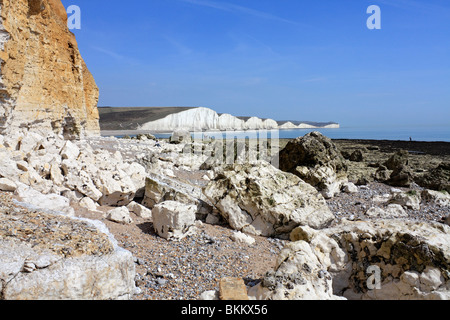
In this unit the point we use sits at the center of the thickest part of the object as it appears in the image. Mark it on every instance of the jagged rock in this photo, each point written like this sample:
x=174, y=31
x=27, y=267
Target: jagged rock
x=402, y=176
x=159, y=189
x=382, y=174
x=30, y=142
x=242, y=237
x=356, y=156
x=174, y=220
x=437, y=178
x=45, y=84
x=82, y=183
x=88, y=203
x=262, y=200
x=400, y=158
x=316, y=160
x=349, y=187
x=180, y=136
x=410, y=200
x=70, y=151
x=298, y=275
x=442, y=198
x=116, y=187
x=383, y=259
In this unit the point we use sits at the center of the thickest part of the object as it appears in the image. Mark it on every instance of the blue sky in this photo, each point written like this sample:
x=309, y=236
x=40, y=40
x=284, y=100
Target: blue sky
x=310, y=60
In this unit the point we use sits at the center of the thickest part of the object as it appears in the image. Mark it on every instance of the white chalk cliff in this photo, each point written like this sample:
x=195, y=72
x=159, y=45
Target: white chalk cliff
x=198, y=119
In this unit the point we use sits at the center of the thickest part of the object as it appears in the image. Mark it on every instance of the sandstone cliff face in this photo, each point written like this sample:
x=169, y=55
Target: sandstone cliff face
x=44, y=82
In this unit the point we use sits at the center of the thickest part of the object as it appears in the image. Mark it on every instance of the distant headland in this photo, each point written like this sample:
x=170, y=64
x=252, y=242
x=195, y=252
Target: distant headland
x=164, y=119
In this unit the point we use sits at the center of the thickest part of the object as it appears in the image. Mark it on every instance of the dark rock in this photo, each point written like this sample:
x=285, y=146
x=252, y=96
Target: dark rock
x=382, y=174
x=312, y=151
x=436, y=179
x=398, y=159
x=357, y=156
x=402, y=176
x=316, y=160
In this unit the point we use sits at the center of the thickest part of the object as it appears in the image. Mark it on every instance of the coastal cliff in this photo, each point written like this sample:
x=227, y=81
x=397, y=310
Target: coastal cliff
x=44, y=82
x=207, y=119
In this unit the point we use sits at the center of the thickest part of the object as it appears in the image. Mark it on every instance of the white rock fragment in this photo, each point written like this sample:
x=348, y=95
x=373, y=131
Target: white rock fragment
x=140, y=210
x=7, y=185
x=88, y=203
x=49, y=202
x=70, y=151
x=174, y=220
x=119, y=215
x=349, y=187
x=242, y=238
x=392, y=211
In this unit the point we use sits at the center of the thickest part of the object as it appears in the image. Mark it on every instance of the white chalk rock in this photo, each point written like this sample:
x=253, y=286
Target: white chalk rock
x=120, y=215
x=7, y=185
x=242, y=238
x=140, y=210
x=174, y=220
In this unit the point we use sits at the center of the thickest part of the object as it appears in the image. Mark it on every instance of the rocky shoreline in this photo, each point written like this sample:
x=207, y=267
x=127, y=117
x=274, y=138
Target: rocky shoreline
x=226, y=221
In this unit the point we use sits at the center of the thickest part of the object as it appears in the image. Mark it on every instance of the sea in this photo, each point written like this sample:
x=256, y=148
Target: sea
x=397, y=133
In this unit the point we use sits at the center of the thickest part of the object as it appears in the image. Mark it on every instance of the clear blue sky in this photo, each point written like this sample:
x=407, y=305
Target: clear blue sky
x=283, y=59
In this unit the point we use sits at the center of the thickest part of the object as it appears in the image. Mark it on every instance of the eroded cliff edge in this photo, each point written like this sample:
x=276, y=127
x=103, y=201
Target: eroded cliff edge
x=44, y=82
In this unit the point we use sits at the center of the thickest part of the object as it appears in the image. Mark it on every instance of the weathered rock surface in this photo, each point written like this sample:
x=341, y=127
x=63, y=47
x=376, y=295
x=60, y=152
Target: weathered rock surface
x=53, y=257
x=437, y=178
x=316, y=160
x=298, y=275
x=398, y=159
x=44, y=82
x=174, y=220
x=262, y=200
x=411, y=260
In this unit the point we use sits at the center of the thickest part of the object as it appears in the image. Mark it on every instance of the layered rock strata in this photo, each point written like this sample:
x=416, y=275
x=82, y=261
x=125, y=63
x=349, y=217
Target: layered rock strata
x=44, y=82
